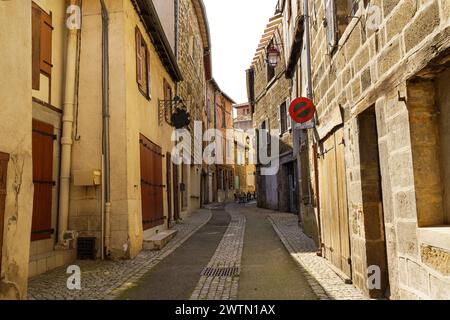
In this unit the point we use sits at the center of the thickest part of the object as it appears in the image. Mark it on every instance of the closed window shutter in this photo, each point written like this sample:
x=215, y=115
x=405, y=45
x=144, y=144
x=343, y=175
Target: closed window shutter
x=36, y=46
x=4, y=158
x=43, y=143
x=331, y=24
x=138, y=58
x=149, y=82
x=46, y=43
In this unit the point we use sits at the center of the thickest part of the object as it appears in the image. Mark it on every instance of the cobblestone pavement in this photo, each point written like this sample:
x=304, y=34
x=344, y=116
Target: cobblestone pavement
x=324, y=281
x=105, y=280
x=228, y=255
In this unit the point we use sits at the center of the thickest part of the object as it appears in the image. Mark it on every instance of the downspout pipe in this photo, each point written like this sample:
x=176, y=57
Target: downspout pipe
x=67, y=130
x=106, y=141
x=310, y=94
x=308, y=50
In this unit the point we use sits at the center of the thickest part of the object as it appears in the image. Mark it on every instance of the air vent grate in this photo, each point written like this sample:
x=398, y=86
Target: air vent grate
x=86, y=248
x=220, y=272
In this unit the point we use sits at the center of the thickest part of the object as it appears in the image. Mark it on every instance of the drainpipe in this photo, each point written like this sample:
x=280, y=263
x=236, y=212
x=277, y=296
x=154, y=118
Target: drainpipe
x=308, y=50
x=67, y=130
x=310, y=94
x=106, y=147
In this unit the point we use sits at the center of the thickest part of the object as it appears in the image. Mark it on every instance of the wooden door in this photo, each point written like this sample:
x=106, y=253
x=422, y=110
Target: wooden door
x=151, y=184
x=176, y=193
x=169, y=189
x=4, y=158
x=43, y=140
x=333, y=203
x=345, y=254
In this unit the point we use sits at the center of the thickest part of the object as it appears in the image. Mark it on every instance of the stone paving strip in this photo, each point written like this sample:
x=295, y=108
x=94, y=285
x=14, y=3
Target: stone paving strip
x=106, y=280
x=323, y=280
x=220, y=280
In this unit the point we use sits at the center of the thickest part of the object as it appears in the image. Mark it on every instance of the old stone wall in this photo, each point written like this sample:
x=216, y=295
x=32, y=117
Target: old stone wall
x=373, y=65
x=191, y=48
x=190, y=54
x=270, y=95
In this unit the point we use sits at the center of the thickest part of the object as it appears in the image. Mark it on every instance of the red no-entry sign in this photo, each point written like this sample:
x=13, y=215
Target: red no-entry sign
x=302, y=110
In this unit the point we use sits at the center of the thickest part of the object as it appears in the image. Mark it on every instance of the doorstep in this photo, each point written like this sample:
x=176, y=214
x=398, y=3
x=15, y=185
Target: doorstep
x=160, y=240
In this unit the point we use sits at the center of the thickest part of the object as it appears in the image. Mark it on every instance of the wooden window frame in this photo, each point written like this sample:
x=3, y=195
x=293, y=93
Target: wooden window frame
x=142, y=59
x=168, y=94
x=331, y=25
x=283, y=118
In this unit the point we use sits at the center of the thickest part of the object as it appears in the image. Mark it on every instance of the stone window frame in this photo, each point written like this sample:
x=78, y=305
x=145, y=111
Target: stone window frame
x=283, y=118
x=431, y=234
x=344, y=14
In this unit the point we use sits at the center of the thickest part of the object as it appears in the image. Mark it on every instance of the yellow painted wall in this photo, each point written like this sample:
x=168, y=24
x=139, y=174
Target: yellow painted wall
x=131, y=114
x=142, y=117
x=38, y=263
x=57, y=9
x=15, y=133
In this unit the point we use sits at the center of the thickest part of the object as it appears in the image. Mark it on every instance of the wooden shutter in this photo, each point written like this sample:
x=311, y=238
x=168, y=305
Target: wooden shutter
x=139, y=70
x=151, y=184
x=42, y=29
x=284, y=117
x=36, y=46
x=43, y=140
x=148, y=75
x=4, y=158
x=167, y=96
x=46, y=43
x=167, y=91
x=330, y=15
x=169, y=188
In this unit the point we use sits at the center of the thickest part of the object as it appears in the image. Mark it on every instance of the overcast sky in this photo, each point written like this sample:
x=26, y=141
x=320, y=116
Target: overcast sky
x=236, y=28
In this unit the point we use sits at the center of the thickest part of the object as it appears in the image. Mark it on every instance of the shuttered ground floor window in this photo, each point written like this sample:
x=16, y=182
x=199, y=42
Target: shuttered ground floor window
x=4, y=158
x=151, y=184
x=43, y=141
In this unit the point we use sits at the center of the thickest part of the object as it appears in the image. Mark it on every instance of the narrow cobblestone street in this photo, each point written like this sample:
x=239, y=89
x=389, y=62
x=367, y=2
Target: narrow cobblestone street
x=226, y=252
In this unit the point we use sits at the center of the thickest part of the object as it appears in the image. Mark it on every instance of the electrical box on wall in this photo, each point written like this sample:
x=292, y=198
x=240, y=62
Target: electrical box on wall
x=87, y=178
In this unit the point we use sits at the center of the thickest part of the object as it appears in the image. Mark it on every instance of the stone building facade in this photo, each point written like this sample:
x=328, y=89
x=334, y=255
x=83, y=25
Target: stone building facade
x=245, y=169
x=243, y=120
x=193, y=43
x=141, y=134
x=64, y=198
x=272, y=91
x=375, y=166
x=224, y=144
x=210, y=190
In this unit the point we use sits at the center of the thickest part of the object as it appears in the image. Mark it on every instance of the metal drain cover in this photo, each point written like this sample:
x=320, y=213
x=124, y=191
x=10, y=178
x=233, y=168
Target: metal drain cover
x=220, y=272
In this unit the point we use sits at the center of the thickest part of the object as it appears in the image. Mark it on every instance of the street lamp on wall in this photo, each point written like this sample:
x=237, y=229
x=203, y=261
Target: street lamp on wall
x=273, y=56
